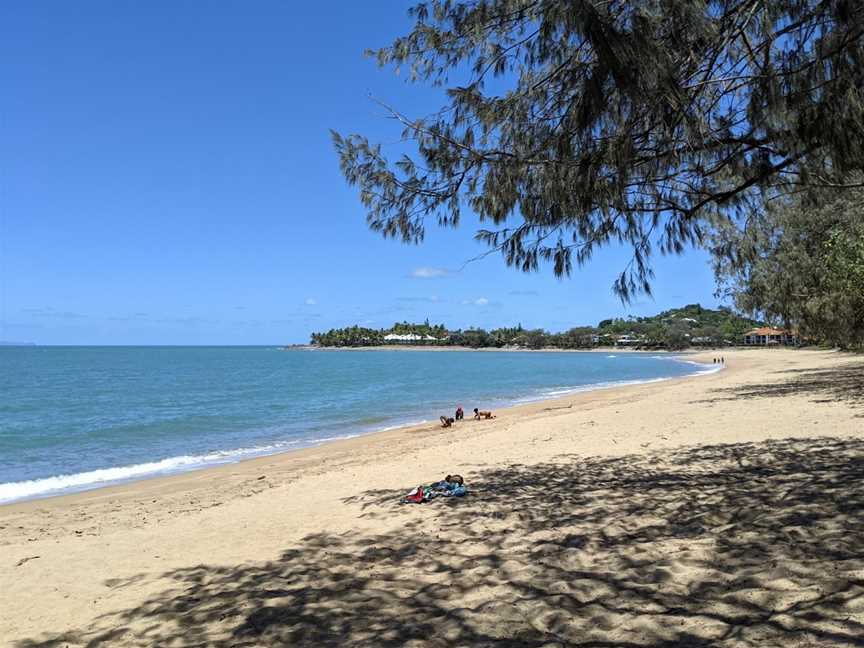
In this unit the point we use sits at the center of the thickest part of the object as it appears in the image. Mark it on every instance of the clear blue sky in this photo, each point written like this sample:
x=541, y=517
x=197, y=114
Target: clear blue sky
x=167, y=177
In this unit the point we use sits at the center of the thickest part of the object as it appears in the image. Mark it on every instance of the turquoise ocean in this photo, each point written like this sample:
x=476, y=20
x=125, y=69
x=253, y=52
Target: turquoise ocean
x=74, y=418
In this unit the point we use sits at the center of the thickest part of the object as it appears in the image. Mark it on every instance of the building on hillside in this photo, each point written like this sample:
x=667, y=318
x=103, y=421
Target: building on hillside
x=767, y=336
x=628, y=340
x=703, y=340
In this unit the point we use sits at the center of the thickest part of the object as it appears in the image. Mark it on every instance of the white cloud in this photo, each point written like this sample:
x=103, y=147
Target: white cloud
x=480, y=301
x=434, y=299
x=311, y=301
x=50, y=311
x=428, y=273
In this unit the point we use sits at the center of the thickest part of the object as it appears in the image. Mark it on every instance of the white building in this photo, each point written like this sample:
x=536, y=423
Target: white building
x=409, y=338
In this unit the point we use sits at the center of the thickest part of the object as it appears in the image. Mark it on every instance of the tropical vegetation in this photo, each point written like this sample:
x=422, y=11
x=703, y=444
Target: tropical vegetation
x=672, y=329
x=800, y=263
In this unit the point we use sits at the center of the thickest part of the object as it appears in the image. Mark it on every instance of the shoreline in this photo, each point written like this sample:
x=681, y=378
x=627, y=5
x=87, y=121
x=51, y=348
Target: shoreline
x=505, y=349
x=338, y=435
x=706, y=497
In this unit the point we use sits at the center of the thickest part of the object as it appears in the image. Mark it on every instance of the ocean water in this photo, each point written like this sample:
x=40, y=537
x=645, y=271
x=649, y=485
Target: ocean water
x=73, y=418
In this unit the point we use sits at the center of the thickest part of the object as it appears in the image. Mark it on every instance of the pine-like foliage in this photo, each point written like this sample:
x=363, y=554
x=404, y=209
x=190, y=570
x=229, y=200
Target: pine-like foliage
x=585, y=122
x=801, y=263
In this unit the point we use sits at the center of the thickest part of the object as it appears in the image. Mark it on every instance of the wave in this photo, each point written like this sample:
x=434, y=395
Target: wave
x=578, y=389
x=564, y=391
x=76, y=482
x=402, y=425
x=706, y=368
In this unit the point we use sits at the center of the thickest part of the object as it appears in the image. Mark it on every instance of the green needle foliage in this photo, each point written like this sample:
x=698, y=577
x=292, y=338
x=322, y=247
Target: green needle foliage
x=579, y=123
x=800, y=262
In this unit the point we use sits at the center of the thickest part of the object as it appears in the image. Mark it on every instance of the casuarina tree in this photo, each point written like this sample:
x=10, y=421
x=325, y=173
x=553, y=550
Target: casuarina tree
x=800, y=263
x=572, y=124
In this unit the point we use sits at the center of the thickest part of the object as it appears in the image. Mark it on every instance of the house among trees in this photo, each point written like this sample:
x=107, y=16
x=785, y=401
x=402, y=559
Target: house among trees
x=408, y=338
x=767, y=336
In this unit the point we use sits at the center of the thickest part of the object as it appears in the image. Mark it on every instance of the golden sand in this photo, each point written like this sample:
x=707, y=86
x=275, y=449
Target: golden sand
x=720, y=510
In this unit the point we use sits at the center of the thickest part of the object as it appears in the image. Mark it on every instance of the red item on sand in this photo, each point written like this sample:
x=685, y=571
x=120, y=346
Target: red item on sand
x=415, y=496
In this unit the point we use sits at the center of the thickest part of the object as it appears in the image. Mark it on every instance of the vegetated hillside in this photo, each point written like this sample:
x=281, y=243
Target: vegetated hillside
x=681, y=327
x=673, y=329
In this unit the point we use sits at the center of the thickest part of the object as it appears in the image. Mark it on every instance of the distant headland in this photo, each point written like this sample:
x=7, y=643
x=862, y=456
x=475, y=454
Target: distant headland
x=675, y=329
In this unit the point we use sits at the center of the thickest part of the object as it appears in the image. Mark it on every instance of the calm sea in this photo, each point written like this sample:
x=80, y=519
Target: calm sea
x=73, y=418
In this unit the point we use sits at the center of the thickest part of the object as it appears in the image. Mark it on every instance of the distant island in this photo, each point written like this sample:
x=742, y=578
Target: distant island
x=673, y=329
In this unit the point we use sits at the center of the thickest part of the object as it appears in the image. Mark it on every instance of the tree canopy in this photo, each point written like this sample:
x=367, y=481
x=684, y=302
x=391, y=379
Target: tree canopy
x=671, y=329
x=572, y=124
x=801, y=262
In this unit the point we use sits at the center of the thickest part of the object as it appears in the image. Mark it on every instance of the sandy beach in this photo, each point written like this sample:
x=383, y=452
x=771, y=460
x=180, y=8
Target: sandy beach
x=718, y=510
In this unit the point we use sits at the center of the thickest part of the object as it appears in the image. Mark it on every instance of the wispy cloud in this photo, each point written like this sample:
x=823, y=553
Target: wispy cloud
x=434, y=299
x=311, y=301
x=129, y=318
x=48, y=311
x=192, y=320
x=428, y=273
x=480, y=301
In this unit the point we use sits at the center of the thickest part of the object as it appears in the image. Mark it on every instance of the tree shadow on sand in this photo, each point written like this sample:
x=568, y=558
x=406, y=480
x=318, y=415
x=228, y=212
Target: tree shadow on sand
x=729, y=545
x=837, y=384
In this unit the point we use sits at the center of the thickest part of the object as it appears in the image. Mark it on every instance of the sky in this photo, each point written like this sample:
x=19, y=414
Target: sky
x=167, y=177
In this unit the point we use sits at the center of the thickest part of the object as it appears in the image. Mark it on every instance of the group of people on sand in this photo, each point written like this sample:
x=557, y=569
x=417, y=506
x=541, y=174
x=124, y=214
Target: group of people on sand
x=447, y=421
x=720, y=360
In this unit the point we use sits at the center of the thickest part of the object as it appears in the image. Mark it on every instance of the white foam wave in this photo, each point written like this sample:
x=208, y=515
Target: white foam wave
x=85, y=480
x=706, y=368
x=57, y=484
x=402, y=425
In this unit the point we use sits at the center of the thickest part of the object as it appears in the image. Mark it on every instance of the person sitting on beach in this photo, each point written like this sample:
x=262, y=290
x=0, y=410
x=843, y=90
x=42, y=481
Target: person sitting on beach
x=478, y=414
x=450, y=486
x=459, y=413
x=446, y=421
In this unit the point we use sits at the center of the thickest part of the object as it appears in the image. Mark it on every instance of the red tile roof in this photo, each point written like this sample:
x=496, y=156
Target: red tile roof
x=767, y=330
